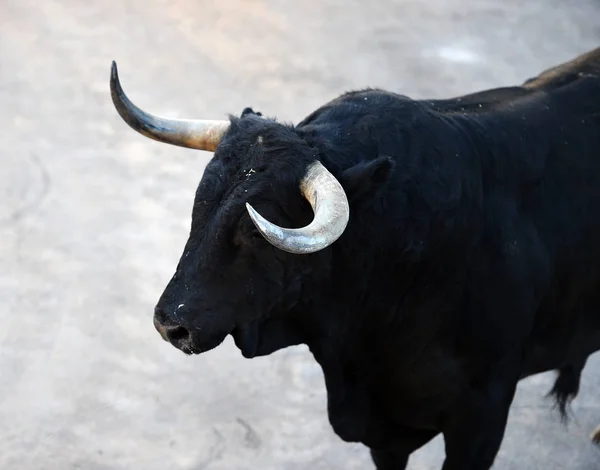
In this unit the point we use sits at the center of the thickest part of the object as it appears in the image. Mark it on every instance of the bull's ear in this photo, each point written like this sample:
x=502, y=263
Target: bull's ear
x=367, y=179
x=248, y=110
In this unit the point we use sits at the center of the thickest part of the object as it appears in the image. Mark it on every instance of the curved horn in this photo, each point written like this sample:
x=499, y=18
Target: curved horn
x=330, y=206
x=196, y=134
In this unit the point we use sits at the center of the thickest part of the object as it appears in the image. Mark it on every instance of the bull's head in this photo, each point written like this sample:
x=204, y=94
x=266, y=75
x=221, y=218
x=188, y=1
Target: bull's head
x=241, y=272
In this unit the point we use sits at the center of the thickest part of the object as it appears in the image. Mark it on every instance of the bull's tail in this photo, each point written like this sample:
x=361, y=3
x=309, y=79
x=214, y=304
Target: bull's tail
x=566, y=386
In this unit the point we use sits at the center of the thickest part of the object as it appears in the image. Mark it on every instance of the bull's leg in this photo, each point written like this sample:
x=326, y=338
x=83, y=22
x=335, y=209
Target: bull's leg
x=474, y=432
x=396, y=458
x=596, y=436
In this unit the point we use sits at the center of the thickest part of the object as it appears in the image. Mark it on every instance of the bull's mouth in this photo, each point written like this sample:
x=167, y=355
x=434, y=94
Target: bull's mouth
x=189, y=341
x=253, y=338
x=245, y=338
x=199, y=347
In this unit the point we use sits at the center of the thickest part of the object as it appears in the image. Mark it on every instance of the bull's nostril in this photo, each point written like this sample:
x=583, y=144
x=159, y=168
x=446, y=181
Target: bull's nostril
x=179, y=333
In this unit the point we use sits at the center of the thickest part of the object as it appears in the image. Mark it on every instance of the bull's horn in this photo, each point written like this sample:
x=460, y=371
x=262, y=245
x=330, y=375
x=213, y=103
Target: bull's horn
x=331, y=213
x=196, y=134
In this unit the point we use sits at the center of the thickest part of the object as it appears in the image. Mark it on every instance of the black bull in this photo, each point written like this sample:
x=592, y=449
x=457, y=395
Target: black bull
x=470, y=258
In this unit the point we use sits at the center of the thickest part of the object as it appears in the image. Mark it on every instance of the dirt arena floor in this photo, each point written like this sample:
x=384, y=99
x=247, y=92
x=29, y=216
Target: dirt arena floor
x=93, y=218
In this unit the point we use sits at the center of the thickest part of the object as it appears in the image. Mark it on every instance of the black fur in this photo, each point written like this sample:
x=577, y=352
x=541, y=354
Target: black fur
x=471, y=259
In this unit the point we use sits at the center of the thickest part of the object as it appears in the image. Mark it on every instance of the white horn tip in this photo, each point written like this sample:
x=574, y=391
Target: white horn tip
x=271, y=232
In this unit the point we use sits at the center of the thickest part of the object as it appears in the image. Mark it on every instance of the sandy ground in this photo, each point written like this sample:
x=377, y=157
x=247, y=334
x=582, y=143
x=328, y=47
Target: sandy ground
x=93, y=218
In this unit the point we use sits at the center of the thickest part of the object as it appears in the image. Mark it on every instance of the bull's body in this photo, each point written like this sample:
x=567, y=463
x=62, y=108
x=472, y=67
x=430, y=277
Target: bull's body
x=471, y=259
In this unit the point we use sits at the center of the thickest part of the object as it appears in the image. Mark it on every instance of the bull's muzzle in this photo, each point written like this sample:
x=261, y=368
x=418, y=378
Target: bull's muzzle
x=177, y=335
